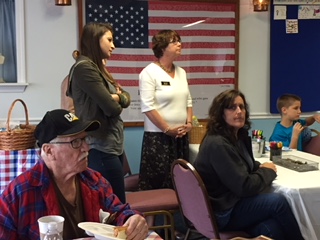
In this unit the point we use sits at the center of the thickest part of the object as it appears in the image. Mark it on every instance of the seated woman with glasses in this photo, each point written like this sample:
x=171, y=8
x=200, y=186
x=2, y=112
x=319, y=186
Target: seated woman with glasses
x=234, y=180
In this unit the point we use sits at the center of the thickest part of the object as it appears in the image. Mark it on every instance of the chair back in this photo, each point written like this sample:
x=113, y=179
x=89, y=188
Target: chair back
x=313, y=146
x=126, y=166
x=193, y=198
x=131, y=181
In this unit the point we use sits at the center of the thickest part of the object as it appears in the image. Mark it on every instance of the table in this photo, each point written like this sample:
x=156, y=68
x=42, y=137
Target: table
x=302, y=190
x=15, y=162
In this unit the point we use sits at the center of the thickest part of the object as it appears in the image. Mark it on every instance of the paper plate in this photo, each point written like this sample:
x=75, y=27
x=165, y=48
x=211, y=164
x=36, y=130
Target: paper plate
x=99, y=230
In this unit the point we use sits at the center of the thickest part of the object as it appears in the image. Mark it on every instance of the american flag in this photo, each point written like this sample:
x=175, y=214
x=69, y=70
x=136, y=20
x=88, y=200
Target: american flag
x=207, y=32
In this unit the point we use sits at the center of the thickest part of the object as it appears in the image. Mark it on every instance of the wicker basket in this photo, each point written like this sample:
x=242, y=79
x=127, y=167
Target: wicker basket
x=18, y=139
x=197, y=133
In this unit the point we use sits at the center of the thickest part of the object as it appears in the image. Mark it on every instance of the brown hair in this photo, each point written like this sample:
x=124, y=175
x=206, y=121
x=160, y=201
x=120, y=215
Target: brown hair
x=162, y=39
x=217, y=123
x=90, y=45
x=286, y=100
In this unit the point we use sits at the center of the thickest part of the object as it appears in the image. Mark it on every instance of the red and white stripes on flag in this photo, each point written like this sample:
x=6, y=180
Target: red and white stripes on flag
x=207, y=32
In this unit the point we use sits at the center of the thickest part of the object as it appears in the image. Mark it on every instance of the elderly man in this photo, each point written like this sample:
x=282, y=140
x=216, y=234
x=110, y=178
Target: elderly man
x=61, y=184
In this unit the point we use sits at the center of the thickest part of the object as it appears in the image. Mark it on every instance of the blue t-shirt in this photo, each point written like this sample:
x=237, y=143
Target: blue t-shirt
x=283, y=134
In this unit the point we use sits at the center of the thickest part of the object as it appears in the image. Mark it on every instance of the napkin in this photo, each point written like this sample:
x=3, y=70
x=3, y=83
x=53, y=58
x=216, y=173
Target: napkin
x=103, y=216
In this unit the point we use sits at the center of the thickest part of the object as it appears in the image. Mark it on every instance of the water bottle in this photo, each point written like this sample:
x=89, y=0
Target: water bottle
x=52, y=233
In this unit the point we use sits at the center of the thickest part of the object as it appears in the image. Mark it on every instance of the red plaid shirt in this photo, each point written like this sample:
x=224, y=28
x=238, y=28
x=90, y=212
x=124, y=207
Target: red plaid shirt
x=31, y=195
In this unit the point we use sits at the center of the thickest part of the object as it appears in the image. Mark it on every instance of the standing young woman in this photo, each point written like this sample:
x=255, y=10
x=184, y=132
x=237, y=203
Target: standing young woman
x=167, y=106
x=97, y=95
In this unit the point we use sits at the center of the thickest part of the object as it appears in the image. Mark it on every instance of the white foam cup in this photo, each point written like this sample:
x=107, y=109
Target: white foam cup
x=43, y=224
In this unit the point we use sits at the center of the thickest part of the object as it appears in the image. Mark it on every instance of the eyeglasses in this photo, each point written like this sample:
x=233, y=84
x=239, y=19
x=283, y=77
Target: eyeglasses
x=175, y=41
x=75, y=143
x=234, y=107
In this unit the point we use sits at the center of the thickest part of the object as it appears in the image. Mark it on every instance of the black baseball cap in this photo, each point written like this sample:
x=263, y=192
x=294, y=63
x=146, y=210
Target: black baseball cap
x=61, y=123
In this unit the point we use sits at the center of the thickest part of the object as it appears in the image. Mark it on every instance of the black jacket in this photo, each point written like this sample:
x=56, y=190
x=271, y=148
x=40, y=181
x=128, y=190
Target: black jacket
x=226, y=173
x=91, y=94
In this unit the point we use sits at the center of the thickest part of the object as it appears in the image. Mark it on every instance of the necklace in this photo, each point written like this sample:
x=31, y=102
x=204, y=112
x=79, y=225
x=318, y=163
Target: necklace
x=164, y=68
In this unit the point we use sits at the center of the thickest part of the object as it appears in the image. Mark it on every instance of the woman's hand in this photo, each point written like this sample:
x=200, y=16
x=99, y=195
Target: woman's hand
x=184, y=129
x=177, y=131
x=188, y=127
x=269, y=165
x=115, y=97
x=180, y=131
x=118, y=90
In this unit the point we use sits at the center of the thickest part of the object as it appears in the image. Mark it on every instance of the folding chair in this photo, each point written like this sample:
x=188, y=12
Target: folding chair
x=194, y=202
x=157, y=202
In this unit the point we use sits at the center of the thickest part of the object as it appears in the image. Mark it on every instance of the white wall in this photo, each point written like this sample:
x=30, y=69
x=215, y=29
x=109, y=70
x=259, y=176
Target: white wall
x=254, y=58
x=52, y=33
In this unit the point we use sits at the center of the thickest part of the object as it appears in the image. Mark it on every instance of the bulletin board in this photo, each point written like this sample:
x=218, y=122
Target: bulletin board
x=295, y=52
x=209, y=30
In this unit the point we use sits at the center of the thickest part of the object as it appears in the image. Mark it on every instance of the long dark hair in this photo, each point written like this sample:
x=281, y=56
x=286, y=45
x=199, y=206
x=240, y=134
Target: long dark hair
x=90, y=45
x=217, y=123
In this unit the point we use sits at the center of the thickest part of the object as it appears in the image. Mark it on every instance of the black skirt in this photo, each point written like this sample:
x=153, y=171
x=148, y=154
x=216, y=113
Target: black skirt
x=158, y=153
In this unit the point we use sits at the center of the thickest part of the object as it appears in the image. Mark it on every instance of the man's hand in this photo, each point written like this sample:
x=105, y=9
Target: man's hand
x=137, y=227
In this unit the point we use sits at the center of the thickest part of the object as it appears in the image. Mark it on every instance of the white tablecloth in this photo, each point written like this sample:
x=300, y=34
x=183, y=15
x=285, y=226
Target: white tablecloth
x=302, y=190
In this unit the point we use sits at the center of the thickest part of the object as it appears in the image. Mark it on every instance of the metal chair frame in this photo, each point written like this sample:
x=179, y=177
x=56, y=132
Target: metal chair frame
x=213, y=227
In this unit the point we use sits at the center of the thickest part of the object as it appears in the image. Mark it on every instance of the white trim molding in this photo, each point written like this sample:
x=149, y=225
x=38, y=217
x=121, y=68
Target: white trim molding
x=255, y=116
x=21, y=84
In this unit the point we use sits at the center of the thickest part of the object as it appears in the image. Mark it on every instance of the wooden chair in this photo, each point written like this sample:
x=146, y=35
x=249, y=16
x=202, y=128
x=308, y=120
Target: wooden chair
x=158, y=202
x=194, y=203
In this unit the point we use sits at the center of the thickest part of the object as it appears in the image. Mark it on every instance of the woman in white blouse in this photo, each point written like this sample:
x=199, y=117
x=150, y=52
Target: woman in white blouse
x=167, y=106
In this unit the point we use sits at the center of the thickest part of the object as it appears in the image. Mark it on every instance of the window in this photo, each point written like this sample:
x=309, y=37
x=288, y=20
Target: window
x=21, y=83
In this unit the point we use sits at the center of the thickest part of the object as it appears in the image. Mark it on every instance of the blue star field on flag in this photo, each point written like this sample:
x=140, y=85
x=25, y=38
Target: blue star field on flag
x=130, y=21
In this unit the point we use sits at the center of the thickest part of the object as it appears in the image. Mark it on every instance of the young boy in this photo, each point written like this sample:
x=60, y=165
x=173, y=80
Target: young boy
x=291, y=130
